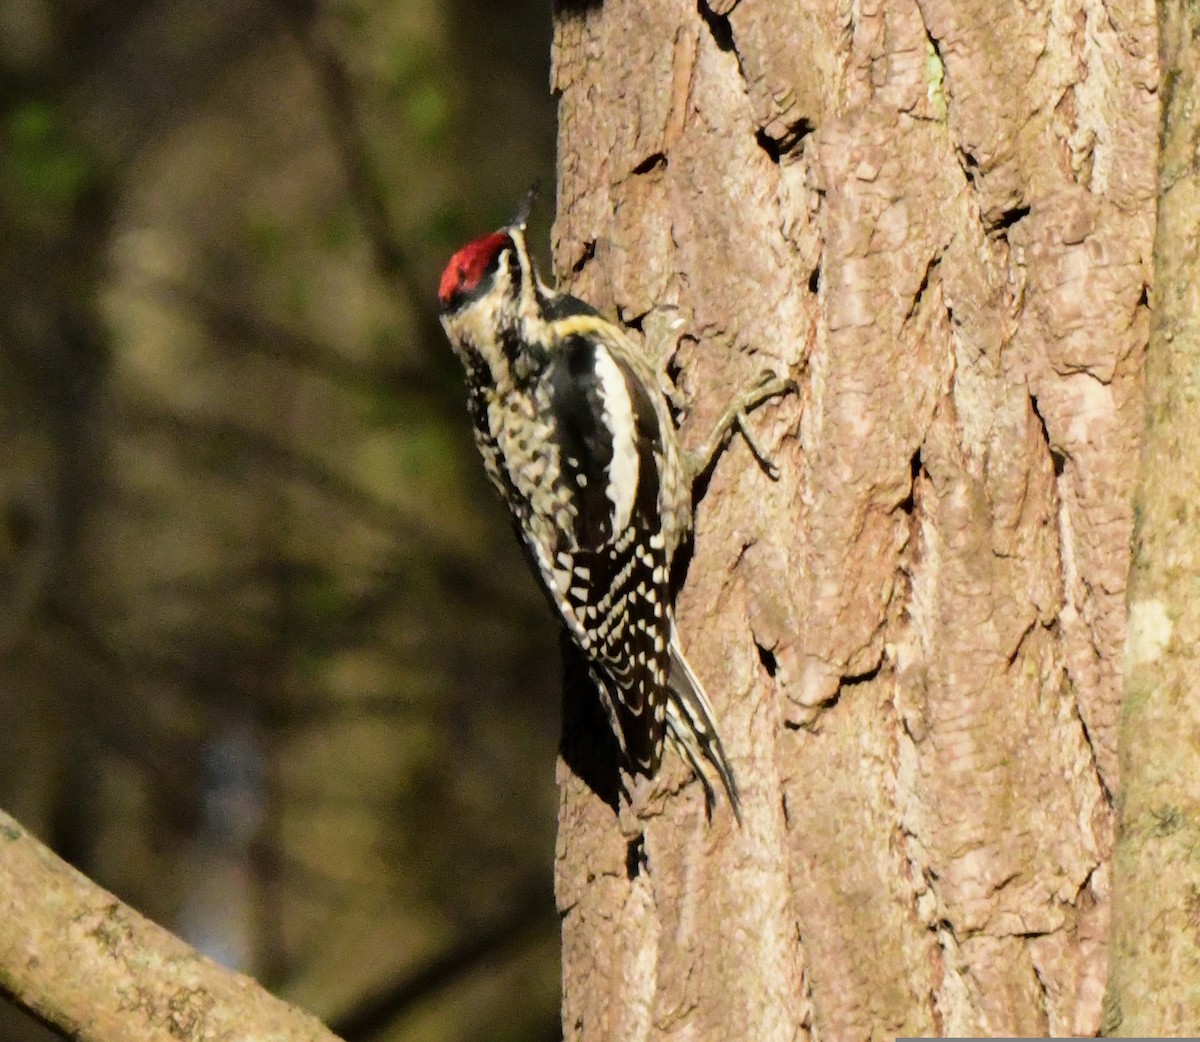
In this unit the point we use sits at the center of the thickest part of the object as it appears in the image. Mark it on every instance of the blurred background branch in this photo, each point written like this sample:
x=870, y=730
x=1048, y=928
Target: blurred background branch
x=92, y=968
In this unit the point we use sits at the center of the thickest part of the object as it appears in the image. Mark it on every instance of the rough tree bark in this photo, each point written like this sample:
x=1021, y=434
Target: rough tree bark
x=1155, y=979
x=938, y=216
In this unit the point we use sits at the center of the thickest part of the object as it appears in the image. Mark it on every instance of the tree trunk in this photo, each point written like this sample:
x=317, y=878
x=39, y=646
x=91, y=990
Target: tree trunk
x=1155, y=980
x=937, y=217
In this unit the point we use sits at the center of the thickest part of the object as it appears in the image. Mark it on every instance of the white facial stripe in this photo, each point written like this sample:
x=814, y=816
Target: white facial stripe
x=618, y=417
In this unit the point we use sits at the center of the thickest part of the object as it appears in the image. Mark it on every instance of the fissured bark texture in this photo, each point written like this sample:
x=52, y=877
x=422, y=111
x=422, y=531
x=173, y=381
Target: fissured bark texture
x=938, y=217
x=1154, y=983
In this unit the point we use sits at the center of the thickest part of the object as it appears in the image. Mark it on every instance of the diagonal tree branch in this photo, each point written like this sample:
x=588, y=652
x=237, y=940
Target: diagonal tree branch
x=95, y=970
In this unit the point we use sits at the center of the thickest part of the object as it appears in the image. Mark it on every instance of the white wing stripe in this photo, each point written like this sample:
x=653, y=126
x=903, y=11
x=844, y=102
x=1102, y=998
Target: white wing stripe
x=618, y=418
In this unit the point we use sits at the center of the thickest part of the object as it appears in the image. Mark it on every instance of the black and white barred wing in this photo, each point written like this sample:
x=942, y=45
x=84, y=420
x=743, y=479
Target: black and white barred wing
x=626, y=652
x=611, y=582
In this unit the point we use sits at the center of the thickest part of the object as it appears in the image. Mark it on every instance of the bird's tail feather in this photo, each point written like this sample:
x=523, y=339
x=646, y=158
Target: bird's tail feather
x=691, y=725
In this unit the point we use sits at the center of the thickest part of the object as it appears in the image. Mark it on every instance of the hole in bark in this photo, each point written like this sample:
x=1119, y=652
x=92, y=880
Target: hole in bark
x=936, y=44
x=722, y=31
x=908, y=503
x=860, y=678
x=1143, y=300
x=797, y=131
x=969, y=164
x=635, y=857
x=1008, y=218
x=1058, y=459
x=589, y=251
x=768, y=144
x=767, y=657
x=778, y=147
x=1016, y=651
x=934, y=261
x=814, y=280
x=674, y=369
x=654, y=161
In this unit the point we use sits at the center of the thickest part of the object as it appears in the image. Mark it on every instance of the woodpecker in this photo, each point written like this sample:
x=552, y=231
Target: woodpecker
x=577, y=437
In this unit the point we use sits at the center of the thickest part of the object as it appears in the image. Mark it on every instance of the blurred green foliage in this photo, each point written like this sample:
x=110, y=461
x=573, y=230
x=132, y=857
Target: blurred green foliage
x=43, y=163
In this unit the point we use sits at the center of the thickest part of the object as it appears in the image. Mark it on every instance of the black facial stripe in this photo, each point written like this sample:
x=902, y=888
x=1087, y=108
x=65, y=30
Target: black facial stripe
x=563, y=305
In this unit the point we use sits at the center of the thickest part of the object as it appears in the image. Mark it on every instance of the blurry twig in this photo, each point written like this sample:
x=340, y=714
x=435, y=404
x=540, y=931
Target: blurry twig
x=366, y=189
x=224, y=445
x=229, y=446
x=244, y=330
x=377, y=1011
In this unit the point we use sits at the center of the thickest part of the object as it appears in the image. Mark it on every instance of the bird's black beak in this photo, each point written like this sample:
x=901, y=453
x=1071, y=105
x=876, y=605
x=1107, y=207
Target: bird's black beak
x=521, y=218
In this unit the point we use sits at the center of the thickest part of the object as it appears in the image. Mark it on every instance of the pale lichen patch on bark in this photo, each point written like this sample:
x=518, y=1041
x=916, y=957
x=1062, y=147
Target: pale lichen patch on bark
x=1149, y=632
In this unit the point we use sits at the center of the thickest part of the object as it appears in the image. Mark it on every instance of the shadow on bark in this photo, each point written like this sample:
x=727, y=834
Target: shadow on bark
x=588, y=747
x=576, y=6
